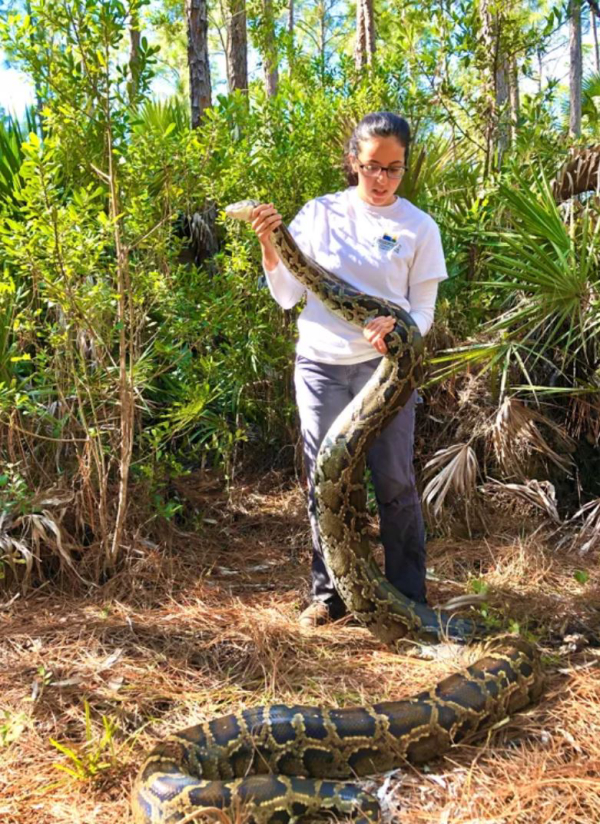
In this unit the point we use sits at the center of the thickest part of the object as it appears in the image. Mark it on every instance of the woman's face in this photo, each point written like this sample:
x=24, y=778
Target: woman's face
x=378, y=189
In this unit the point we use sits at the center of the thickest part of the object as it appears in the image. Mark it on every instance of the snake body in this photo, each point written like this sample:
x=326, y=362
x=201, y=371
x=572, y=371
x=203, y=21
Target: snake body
x=283, y=763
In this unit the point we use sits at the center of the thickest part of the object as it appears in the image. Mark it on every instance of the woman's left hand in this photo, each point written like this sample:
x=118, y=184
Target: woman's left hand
x=376, y=330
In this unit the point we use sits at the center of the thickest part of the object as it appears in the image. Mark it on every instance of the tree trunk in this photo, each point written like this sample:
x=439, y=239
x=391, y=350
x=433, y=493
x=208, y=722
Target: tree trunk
x=289, y=38
x=270, y=61
x=515, y=102
x=197, y=29
x=369, y=18
x=502, y=95
x=575, y=69
x=500, y=68
x=365, y=34
x=360, y=56
x=237, y=47
x=595, y=33
x=135, y=37
x=322, y=12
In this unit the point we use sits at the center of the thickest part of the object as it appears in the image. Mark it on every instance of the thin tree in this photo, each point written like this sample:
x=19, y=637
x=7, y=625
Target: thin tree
x=199, y=66
x=135, y=38
x=493, y=23
x=291, y=38
x=515, y=98
x=594, y=13
x=365, y=34
x=237, y=47
x=575, y=68
x=269, y=49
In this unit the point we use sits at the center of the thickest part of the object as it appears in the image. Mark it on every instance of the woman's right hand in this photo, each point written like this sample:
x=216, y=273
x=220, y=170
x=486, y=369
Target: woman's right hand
x=265, y=219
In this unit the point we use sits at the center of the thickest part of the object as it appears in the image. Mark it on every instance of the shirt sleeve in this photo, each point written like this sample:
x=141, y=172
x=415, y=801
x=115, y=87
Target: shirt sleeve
x=428, y=262
x=422, y=298
x=284, y=287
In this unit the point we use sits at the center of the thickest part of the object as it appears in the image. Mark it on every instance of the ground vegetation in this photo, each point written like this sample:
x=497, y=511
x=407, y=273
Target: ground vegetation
x=204, y=624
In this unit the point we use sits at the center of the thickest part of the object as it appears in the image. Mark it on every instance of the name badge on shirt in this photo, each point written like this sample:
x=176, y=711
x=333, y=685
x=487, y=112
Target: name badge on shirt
x=389, y=243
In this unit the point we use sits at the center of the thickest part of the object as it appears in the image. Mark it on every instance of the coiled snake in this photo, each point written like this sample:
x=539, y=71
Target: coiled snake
x=284, y=762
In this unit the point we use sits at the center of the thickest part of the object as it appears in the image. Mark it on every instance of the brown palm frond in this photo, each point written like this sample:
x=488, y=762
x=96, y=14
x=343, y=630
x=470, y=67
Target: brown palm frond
x=25, y=539
x=584, y=417
x=581, y=173
x=588, y=536
x=539, y=494
x=515, y=435
x=15, y=553
x=455, y=468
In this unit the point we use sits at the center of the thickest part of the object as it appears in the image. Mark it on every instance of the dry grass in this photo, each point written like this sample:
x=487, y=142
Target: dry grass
x=206, y=624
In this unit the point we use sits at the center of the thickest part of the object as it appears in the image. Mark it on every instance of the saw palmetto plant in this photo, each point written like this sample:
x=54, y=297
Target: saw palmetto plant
x=543, y=265
x=548, y=270
x=13, y=134
x=547, y=337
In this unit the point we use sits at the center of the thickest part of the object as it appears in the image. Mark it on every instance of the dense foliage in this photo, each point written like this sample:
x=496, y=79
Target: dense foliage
x=129, y=354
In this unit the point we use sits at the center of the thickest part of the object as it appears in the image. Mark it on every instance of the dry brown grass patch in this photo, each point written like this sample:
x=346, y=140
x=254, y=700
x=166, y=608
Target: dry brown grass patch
x=209, y=625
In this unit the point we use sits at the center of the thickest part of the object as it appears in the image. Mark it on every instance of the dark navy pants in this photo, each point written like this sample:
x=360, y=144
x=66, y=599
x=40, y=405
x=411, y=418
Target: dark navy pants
x=322, y=391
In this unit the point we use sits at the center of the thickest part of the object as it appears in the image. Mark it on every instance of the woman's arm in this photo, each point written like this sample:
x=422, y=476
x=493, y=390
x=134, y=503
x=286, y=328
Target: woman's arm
x=422, y=297
x=284, y=287
x=427, y=271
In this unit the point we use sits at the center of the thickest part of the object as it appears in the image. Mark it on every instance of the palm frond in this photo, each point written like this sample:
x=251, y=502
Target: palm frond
x=163, y=116
x=13, y=134
x=535, y=211
x=581, y=173
x=539, y=494
x=588, y=536
x=591, y=85
x=515, y=433
x=434, y=164
x=453, y=469
x=23, y=540
x=453, y=361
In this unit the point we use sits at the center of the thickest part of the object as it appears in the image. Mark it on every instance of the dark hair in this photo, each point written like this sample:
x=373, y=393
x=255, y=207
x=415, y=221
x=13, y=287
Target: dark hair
x=376, y=124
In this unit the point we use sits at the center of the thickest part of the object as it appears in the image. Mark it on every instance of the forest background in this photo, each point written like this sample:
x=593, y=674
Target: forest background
x=137, y=340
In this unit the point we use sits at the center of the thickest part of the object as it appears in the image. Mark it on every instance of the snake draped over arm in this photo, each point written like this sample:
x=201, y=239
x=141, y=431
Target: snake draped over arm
x=283, y=763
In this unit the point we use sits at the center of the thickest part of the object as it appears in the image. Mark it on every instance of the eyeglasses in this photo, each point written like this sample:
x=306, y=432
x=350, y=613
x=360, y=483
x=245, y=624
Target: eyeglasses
x=374, y=170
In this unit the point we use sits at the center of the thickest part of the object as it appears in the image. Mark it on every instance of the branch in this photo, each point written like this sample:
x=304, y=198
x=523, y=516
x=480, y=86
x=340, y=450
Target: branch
x=439, y=96
x=148, y=233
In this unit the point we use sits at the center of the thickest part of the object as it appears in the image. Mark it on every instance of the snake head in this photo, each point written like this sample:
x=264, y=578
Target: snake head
x=242, y=210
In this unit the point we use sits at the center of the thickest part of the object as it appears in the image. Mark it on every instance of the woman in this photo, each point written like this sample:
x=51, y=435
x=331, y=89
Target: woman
x=382, y=245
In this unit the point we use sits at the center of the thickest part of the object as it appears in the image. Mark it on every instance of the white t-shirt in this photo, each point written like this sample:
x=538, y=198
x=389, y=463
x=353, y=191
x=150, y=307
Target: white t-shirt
x=393, y=252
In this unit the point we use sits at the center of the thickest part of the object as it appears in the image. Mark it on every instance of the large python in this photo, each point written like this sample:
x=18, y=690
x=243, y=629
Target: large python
x=282, y=763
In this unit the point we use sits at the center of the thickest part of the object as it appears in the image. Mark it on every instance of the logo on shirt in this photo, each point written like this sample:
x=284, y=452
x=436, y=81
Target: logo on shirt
x=389, y=243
